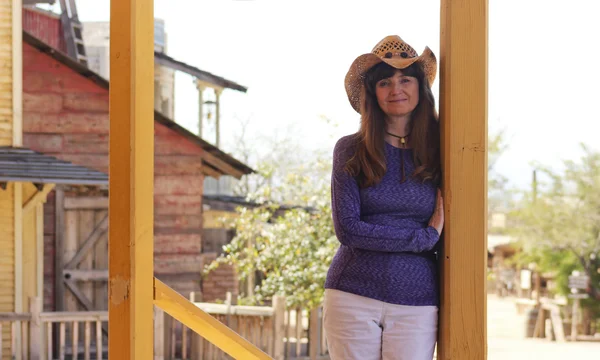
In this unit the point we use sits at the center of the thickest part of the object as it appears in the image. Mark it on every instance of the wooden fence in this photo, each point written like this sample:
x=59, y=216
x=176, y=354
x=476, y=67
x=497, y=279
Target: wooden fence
x=282, y=333
x=55, y=335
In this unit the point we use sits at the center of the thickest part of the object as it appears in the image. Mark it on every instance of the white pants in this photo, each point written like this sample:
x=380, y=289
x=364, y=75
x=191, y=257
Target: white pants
x=360, y=328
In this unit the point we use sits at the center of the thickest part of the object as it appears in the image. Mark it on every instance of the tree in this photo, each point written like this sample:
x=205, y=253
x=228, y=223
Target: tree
x=291, y=245
x=558, y=222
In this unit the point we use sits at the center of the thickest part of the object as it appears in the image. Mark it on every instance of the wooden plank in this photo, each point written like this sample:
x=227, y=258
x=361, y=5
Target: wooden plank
x=178, y=244
x=463, y=110
x=18, y=269
x=39, y=228
x=131, y=197
x=45, y=143
x=91, y=237
x=176, y=223
x=99, y=349
x=86, y=275
x=35, y=329
x=62, y=341
x=14, y=317
x=86, y=143
x=70, y=316
x=47, y=103
x=178, y=185
x=88, y=341
x=278, y=327
x=66, y=122
x=38, y=197
x=87, y=224
x=49, y=339
x=79, y=295
x=178, y=165
x=204, y=324
x=6, y=71
x=178, y=205
x=159, y=334
x=59, y=261
x=221, y=165
x=69, y=250
x=177, y=263
x=86, y=203
x=313, y=334
x=75, y=338
x=208, y=171
x=7, y=260
x=86, y=102
x=169, y=142
x=101, y=262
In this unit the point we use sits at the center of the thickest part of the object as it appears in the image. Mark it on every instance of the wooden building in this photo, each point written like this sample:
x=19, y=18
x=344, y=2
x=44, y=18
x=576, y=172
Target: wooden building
x=65, y=114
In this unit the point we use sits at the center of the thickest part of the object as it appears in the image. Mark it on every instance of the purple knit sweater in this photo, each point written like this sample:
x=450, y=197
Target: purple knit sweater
x=387, y=247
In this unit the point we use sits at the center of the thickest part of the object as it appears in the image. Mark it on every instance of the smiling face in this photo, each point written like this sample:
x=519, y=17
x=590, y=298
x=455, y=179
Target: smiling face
x=397, y=95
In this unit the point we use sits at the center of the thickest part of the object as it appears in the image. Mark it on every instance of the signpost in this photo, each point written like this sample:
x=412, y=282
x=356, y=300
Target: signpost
x=577, y=282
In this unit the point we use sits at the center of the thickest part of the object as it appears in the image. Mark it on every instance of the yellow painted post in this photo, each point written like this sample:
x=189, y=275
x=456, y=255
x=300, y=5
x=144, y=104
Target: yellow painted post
x=131, y=172
x=463, y=111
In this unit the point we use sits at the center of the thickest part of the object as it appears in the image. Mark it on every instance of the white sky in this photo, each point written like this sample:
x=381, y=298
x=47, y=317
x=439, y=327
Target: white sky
x=293, y=56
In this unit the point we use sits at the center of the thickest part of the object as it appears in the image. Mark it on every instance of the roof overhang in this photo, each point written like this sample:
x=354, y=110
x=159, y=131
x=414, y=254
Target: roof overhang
x=25, y=165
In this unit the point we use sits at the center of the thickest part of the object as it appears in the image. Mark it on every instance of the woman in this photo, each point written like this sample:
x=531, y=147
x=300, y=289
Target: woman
x=381, y=297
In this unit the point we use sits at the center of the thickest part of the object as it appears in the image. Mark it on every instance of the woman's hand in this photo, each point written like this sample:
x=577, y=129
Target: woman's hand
x=437, y=219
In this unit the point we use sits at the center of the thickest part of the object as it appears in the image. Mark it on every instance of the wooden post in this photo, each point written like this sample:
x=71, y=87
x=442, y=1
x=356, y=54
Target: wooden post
x=197, y=345
x=574, y=319
x=314, y=327
x=201, y=89
x=36, y=342
x=168, y=336
x=218, y=117
x=131, y=169
x=159, y=334
x=228, y=304
x=463, y=111
x=279, y=327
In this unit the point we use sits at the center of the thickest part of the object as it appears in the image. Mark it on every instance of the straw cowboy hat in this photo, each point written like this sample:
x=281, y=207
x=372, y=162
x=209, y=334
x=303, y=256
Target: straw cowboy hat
x=393, y=51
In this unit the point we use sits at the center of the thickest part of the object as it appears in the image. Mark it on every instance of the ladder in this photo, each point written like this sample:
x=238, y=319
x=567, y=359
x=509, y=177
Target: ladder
x=73, y=31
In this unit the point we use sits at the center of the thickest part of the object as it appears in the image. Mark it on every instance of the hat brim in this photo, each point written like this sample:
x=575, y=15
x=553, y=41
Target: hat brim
x=355, y=77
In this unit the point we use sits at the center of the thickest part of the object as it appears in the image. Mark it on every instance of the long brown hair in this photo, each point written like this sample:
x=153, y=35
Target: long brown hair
x=368, y=163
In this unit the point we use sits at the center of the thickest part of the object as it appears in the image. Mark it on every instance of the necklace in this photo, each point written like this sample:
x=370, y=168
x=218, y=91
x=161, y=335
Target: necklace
x=402, y=138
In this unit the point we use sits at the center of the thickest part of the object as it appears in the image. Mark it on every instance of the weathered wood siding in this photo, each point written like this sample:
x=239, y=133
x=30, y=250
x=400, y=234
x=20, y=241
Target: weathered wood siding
x=7, y=259
x=66, y=116
x=45, y=26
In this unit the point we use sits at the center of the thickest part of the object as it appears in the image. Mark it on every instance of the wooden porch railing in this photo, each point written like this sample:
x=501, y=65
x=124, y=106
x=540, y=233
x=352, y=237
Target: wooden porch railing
x=79, y=333
x=13, y=323
x=273, y=331
x=298, y=333
x=204, y=324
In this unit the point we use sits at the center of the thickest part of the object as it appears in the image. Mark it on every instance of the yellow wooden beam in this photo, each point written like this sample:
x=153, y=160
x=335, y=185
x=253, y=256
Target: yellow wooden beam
x=204, y=324
x=38, y=197
x=131, y=183
x=463, y=111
